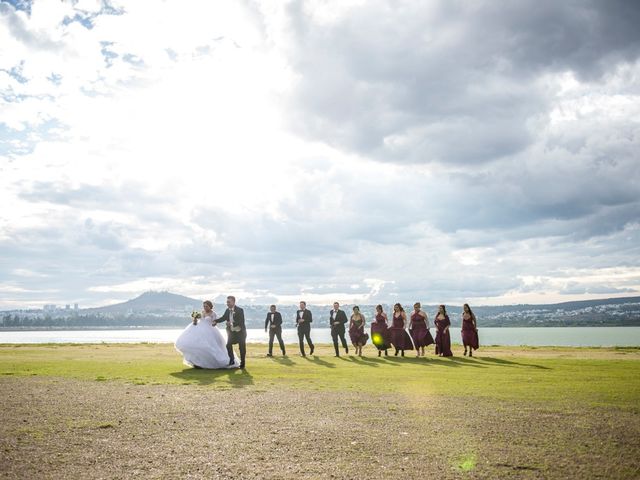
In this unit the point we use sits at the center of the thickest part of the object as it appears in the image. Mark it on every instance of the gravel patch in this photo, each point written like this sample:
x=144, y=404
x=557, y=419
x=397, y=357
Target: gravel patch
x=62, y=428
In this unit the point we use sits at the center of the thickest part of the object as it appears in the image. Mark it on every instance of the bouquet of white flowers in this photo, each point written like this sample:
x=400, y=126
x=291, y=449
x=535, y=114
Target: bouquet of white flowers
x=195, y=316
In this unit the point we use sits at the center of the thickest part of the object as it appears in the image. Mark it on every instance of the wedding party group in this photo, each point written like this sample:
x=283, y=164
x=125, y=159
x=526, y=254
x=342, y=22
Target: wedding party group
x=204, y=347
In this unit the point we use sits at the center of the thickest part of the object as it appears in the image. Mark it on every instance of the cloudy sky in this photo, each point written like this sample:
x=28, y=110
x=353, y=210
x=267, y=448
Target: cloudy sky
x=441, y=151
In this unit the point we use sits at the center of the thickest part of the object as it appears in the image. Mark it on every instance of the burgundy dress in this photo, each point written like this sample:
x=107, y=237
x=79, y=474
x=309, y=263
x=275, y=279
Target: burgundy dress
x=357, y=333
x=443, y=340
x=380, y=334
x=419, y=332
x=469, y=334
x=399, y=336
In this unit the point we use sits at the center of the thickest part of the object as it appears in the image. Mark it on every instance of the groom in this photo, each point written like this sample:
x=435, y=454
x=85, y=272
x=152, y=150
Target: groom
x=236, y=330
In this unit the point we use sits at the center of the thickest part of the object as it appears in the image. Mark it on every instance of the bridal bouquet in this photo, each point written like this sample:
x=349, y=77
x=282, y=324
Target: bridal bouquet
x=195, y=316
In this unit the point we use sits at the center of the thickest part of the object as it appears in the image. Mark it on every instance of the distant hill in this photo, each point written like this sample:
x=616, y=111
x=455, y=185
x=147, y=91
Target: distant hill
x=151, y=302
x=575, y=305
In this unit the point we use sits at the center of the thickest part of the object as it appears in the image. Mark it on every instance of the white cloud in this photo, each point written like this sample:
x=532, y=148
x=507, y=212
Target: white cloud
x=340, y=150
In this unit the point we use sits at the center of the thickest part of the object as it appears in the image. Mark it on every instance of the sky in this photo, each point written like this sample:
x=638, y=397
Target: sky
x=443, y=151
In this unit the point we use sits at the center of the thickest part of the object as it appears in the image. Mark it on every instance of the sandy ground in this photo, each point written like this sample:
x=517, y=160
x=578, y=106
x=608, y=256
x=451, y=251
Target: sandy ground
x=61, y=428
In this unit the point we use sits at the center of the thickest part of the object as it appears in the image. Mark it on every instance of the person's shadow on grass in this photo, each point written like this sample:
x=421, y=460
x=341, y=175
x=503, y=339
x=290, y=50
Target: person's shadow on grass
x=507, y=363
x=315, y=359
x=286, y=361
x=466, y=362
x=369, y=362
x=426, y=361
x=234, y=377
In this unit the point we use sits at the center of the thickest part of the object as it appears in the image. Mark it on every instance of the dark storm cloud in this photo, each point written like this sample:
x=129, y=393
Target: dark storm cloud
x=450, y=82
x=466, y=86
x=580, y=205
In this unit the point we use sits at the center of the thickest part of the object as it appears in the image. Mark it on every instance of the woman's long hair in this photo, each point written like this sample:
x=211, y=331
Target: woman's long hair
x=470, y=311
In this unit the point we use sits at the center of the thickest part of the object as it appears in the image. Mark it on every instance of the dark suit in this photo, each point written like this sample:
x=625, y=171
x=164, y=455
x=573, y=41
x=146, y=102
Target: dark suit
x=275, y=330
x=304, y=329
x=236, y=332
x=338, y=318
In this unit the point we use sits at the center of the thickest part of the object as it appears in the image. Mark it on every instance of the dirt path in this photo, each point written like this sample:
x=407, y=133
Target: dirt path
x=60, y=428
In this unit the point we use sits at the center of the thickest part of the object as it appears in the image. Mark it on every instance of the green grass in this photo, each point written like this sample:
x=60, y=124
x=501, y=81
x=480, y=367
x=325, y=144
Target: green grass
x=564, y=375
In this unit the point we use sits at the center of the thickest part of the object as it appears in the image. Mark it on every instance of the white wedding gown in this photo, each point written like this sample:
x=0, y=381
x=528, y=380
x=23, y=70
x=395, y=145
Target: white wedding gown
x=203, y=345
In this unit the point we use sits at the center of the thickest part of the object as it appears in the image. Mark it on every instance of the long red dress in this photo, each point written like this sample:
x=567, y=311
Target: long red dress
x=469, y=334
x=419, y=332
x=380, y=333
x=399, y=336
x=443, y=338
x=357, y=333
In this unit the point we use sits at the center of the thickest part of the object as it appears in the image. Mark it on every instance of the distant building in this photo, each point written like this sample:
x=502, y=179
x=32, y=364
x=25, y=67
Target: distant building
x=49, y=307
x=75, y=306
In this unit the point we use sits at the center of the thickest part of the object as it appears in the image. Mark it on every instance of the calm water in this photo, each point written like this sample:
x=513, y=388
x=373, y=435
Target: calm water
x=558, y=336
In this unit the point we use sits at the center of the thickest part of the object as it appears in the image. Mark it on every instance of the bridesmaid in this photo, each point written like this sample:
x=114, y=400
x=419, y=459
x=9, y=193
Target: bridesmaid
x=443, y=338
x=356, y=330
x=469, y=330
x=380, y=335
x=399, y=336
x=419, y=329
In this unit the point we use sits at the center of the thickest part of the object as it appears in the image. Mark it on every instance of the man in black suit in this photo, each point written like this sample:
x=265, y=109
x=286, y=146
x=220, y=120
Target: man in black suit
x=337, y=320
x=236, y=329
x=303, y=321
x=274, y=323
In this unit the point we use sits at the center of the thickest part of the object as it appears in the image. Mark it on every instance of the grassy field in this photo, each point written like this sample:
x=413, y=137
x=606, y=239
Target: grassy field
x=116, y=411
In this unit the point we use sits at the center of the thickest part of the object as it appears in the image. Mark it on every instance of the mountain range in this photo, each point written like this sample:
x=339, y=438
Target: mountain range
x=165, y=301
x=169, y=309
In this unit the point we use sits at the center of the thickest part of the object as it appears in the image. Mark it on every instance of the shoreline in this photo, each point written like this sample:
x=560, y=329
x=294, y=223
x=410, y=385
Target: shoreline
x=489, y=336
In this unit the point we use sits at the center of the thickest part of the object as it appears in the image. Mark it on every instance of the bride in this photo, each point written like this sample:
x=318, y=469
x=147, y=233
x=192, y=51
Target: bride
x=202, y=344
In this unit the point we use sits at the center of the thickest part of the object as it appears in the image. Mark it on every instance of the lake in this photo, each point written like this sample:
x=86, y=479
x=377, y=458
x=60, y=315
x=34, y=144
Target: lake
x=555, y=336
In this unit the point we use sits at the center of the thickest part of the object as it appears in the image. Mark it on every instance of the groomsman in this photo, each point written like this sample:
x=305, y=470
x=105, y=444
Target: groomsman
x=303, y=321
x=273, y=322
x=337, y=320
